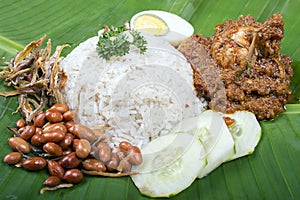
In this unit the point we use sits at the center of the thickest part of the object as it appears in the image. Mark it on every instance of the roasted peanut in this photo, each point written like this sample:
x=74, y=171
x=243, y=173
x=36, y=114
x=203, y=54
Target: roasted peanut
x=55, y=169
x=113, y=163
x=52, y=181
x=17, y=143
x=70, y=126
x=84, y=132
x=67, y=141
x=53, y=116
x=94, y=152
x=55, y=131
x=12, y=158
x=59, y=107
x=121, y=155
x=67, y=152
x=93, y=165
x=56, y=127
x=83, y=148
x=68, y=115
x=40, y=120
x=34, y=164
x=52, y=137
x=124, y=166
x=73, y=176
x=27, y=132
x=20, y=130
x=104, y=151
x=70, y=161
x=135, y=155
x=36, y=140
x=53, y=149
x=38, y=130
x=75, y=143
x=124, y=146
x=20, y=123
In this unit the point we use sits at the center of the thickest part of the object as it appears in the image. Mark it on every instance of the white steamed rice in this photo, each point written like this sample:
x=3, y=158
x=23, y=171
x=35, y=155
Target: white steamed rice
x=139, y=96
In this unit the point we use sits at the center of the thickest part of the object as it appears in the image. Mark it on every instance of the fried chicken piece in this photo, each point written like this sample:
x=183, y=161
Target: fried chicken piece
x=243, y=60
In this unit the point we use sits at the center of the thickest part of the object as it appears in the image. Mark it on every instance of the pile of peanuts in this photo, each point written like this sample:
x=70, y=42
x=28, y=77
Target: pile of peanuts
x=67, y=149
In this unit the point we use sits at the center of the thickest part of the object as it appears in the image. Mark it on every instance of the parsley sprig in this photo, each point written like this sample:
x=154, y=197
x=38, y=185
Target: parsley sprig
x=113, y=42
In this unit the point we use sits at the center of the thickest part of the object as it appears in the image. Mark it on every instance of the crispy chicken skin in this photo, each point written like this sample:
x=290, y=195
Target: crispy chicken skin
x=241, y=67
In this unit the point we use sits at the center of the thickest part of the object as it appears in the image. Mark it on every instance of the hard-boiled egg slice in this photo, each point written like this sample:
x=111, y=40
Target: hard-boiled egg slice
x=162, y=24
x=151, y=24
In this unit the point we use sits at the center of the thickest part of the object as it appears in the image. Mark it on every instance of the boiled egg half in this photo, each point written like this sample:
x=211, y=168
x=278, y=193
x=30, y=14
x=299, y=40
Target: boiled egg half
x=162, y=24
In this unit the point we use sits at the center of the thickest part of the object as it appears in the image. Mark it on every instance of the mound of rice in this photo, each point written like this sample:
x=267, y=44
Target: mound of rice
x=140, y=96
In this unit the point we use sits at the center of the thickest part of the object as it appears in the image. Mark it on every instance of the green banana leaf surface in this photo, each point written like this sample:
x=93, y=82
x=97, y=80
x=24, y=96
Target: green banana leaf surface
x=271, y=172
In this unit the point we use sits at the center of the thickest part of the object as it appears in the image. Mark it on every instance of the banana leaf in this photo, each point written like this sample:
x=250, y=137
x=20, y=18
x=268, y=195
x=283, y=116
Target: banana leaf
x=271, y=172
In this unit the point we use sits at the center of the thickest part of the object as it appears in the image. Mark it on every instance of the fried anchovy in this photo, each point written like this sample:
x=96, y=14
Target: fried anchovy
x=36, y=78
x=108, y=174
x=64, y=185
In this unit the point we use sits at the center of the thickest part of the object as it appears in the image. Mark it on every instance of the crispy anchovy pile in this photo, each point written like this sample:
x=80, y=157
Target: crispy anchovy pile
x=36, y=78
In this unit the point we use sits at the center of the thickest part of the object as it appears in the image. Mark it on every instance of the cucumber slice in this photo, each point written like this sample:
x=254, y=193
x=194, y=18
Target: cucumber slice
x=218, y=140
x=171, y=163
x=193, y=148
x=246, y=133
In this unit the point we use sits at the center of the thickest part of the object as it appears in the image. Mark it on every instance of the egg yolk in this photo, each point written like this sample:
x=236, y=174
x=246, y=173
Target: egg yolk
x=151, y=24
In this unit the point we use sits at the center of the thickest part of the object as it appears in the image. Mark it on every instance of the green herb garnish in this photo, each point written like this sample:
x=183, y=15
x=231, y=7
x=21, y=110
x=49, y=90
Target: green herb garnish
x=139, y=41
x=248, y=65
x=113, y=42
x=239, y=73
